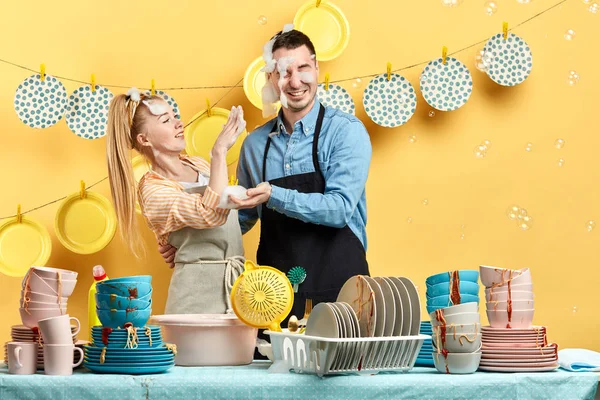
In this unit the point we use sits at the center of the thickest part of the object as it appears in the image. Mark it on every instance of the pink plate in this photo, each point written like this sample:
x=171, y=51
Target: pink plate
x=511, y=369
x=520, y=362
x=509, y=364
x=541, y=357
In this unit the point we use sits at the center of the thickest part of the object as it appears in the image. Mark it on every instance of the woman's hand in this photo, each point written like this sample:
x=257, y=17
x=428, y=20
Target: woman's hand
x=231, y=131
x=168, y=253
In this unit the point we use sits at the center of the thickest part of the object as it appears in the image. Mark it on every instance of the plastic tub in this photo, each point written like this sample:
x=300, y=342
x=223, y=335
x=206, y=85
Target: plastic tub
x=208, y=339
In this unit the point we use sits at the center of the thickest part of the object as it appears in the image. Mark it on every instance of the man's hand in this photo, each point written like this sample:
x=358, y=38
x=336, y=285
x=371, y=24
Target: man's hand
x=256, y=196
x=168, y=253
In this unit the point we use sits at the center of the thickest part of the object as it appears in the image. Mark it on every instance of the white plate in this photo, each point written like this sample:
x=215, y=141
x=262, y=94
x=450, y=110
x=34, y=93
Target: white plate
x=346, y=323
x=322, y=322
x=515, y=331
x=406, y=306
x=338, y=360
x=40, y=104
x=511, y=369
x=522, y=363
x=521, y=351
x=358, y=293
x=379, y=306
x=511, y=56
x=390, y=306
x=390, y=103
x=87, y=111
x=336, y=97
x=355, y=329
x=415, y=303
x=446, y=87
x=399, y=308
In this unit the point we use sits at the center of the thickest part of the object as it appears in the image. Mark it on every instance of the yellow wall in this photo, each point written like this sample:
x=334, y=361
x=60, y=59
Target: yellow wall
x=197, y=43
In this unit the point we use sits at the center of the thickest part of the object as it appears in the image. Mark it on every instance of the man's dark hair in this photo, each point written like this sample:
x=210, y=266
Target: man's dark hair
x=292, y=40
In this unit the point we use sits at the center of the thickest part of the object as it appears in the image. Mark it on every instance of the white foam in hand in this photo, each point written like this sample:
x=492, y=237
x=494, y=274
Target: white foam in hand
x=239, y=192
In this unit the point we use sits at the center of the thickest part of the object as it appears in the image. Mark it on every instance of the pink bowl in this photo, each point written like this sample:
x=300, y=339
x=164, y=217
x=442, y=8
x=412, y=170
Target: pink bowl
x=517, y=305
x=52, y=273
x=31, y=320
x=493, y=275
x=503, y=296
x=43, y=298
x=37, y=305
x=49, y=286
x=521, y=319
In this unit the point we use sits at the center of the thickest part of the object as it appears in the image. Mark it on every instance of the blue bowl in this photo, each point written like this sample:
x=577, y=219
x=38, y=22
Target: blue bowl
x=137, y=278
x=444, y=301
x=118, y=318
x=135, y=290
x=443, y=289
x=109, y=301
x=155, y=329
x=464, y=275
x=141, y=345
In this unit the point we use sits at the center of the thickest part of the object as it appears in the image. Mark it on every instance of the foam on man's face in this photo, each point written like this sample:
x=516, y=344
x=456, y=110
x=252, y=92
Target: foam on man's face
x=296, y=77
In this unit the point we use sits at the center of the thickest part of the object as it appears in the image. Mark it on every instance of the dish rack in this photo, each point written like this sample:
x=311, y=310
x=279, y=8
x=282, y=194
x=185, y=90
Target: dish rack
x=327, y=356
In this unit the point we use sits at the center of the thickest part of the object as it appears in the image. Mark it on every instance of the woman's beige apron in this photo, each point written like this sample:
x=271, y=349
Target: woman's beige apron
x=207, y=263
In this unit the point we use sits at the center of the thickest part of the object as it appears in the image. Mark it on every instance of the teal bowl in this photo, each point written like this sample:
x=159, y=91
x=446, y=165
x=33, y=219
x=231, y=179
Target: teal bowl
x=118, y=318
x=137, y=278
x=463, y=275
x=110, y=301
x=134, y=290
x=443, y=289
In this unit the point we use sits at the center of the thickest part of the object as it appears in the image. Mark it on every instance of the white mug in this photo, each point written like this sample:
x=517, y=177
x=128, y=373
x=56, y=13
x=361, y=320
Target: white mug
x=22, y=357
x=58, y=359
x=57, y=330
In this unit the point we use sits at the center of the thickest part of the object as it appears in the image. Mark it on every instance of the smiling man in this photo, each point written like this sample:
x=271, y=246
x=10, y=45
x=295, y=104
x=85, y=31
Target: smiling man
x=308, y=168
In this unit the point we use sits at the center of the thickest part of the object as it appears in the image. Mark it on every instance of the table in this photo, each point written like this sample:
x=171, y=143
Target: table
x=254, y=382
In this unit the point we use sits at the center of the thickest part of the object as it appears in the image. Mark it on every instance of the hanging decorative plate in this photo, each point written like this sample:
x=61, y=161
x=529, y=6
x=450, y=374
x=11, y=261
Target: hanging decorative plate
x=511, y=59
x=40, y=104
x=336, y=97
x=327, y=27
x=254, y=80
x=390, y=103
x=22, y=245
x=85, y=225
x=200, y=135
x=171, y=101
x=446, y=87
x=140, y=167
x=87, y=111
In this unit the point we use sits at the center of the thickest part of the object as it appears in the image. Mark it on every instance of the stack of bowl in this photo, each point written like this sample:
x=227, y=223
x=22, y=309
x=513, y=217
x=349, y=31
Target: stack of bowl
x=456, y=339
x=508, y=296
x=425, y=358
x=452, y=288
x=44, y=294
x=124, y=301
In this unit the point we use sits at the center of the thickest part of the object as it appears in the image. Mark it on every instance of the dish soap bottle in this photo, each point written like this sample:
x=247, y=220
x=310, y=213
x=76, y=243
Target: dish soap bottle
x=99, y=276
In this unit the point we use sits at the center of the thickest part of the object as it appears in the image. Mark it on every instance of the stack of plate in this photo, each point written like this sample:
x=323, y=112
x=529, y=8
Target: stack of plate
x=517, y=350
x=425, y=358
x=383, y=306
x=21, y=333
x=129, y=351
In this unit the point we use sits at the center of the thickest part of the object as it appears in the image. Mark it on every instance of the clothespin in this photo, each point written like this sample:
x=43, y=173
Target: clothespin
x=318, y=3
x=19, y=216
x=153, y=88
x=389, y=71
x=43, y=72
x=505, y=30
x=444, y=54
x=232, y=180
x=82, y=193
x=208, y=108
x=327, y=81
x=93, y=83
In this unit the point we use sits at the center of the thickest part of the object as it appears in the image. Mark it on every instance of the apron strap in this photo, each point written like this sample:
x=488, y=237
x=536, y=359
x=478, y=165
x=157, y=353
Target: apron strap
x=233, y=268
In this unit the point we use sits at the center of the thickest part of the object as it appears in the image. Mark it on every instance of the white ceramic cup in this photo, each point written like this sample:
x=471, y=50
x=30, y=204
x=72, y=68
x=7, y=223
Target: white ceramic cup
x=58, y=359
x=22, y=357
x=57, y=330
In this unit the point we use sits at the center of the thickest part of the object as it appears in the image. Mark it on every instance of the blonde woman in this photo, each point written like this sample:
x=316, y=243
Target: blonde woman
x=179, y=198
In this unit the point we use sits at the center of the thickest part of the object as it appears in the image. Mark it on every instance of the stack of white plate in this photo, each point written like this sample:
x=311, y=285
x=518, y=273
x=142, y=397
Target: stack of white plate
x=517, y=350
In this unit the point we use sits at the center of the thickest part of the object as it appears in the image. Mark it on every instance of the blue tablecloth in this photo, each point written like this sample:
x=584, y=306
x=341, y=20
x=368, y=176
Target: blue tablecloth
x=255, y=382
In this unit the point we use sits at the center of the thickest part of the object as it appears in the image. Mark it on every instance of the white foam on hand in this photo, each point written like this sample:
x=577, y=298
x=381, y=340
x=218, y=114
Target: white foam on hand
x=240, y=121
x=239, y=192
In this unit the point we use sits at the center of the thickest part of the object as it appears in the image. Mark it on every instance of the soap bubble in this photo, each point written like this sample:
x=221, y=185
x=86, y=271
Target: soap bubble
x=570, y=34
x=559, y=143
x=573, y=78
x=513, y=212
x=412, y=139
x=462, y=236
x=529, y=147
x=594, y=8
x=409, y=220
x=262, y=20
x=451, y=3
x=425, y=202
x=483, y=60
x=487, y=144
x=523, y=1
x=490, y=8
x=526, y=224
x=587, y=1
x=480, y=151
x=574, y=309
x=431, y=113
x=590, y=225
x=357, y=83
x=561, y=162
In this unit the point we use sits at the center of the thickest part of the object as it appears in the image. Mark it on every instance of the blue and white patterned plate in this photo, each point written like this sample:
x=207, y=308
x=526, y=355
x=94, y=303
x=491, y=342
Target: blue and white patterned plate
x=87, y=112
x=511, y=59
x=171, y=101
x=390, y=103
x=336, y=97
x=446, y=87
x=40, y=104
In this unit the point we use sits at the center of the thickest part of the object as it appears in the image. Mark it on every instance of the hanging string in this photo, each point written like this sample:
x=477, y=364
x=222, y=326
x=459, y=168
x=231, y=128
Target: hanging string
x=336, y=81
x=237, y=85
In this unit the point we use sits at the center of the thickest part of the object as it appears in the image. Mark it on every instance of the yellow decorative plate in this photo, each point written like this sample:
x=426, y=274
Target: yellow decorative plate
x=22, y=245
x=140, y=167
x=326, y=26
x=201, y=134
x=87, y=225
x=254, y=80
